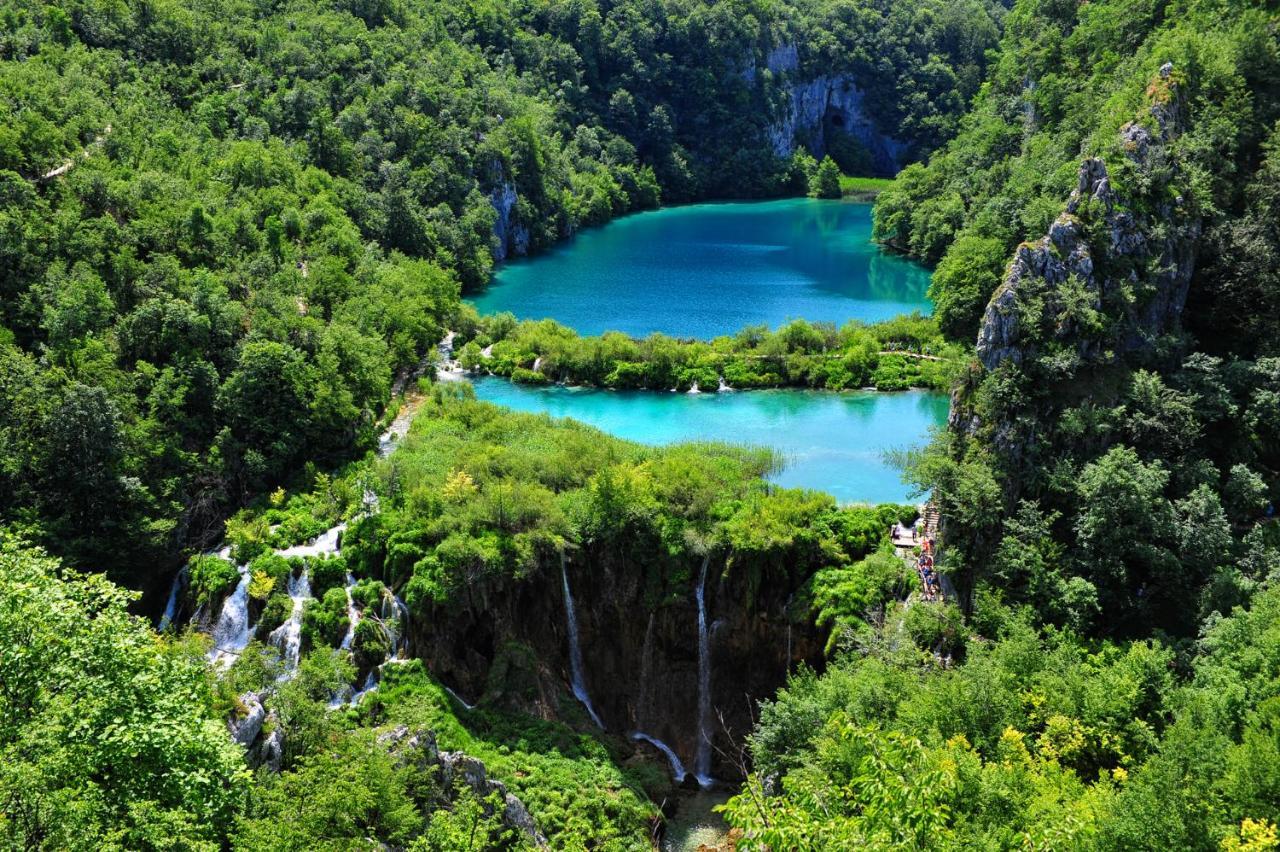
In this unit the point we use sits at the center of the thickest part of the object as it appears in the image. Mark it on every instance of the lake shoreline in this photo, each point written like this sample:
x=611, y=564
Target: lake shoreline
x=459, y=374
x=845, y=445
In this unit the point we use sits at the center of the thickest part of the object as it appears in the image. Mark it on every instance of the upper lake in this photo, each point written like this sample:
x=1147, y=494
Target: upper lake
x=710, y=269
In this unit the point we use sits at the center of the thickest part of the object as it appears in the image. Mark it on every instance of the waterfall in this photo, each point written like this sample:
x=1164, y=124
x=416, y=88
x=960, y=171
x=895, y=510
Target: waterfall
x=394, y=623
x=575, y=650
x=677, y=768
x=231, y=632
x=694, y=388
x=646, y=672
x=724, y=386
x=537, y=363
x=175, y=595
x=458, y=698
x=702, y=757
x=324, y=544
x=288, y=636
x=370, y=684
x=353, y=615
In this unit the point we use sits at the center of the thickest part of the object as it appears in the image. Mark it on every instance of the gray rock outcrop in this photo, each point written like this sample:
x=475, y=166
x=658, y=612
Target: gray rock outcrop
x=1131, y=258
x=245, y=729
x=511, y=237
x=419, y=749
x=817, y=109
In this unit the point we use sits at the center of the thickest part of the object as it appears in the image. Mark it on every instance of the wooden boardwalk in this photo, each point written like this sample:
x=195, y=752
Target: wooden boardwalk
x=917, y=546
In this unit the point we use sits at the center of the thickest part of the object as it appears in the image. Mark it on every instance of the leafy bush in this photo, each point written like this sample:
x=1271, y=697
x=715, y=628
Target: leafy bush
x=210, y=578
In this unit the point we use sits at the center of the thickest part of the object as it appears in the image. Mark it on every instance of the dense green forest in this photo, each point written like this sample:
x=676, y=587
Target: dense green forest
x=232, y=236
x=227, y=227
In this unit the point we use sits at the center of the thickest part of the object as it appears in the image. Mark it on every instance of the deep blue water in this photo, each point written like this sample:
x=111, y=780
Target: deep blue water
x=833, y=442
x=710, y=269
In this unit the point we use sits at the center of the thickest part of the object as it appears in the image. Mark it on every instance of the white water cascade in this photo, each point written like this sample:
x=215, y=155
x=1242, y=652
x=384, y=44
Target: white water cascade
x=231, y=632
x=288, y=636
x=353, y=615
x=575, y=650
x=394, y=617
x=677, y=768
x=325, y=544
x=702, y=756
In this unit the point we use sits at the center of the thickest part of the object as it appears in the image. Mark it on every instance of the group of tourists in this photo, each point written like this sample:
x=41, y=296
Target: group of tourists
x=907, y=538
x=928, y=576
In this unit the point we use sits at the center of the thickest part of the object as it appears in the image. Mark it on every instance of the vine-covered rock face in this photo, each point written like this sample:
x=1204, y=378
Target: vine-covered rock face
x=509, y=647
x=1131, y=255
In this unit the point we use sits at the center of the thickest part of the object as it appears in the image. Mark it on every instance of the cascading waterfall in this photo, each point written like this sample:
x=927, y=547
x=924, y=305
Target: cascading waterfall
x=288, y=636
x=575, y=650
x=231, y=632
x=325, y=544
x=393, y=617
x=677, y=768
x=702, y=756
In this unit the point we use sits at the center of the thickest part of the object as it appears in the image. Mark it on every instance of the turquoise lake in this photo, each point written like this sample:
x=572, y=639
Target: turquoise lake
x=710, y=269
x=832, y=442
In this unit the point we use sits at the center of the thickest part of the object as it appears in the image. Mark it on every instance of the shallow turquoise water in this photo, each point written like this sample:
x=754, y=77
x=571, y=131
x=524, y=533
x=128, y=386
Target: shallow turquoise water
x=833, y=442
x=711, y=269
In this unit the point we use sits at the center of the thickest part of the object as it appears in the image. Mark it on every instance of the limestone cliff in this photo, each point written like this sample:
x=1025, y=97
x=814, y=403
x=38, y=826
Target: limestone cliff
x=511, y=236
x=509, y=647
x=816, y=109
x=812, y=109
x=1100, y=291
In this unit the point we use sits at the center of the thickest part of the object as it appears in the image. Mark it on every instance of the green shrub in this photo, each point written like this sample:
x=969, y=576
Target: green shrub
x=326, y=572
x=277, y=610
x=210, y=578
x=325, y=622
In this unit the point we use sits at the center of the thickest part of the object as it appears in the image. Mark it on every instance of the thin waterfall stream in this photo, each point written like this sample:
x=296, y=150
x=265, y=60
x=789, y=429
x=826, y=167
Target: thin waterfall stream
x=575, y=649
x=702, y=755
x=677, y=768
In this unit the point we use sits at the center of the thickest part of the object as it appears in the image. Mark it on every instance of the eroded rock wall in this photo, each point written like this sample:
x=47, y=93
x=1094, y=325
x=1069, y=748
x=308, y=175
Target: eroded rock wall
x=816, y=109
x=640, y=650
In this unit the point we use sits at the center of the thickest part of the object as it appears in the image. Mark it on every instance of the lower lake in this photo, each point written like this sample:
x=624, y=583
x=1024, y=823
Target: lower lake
x=832, y=442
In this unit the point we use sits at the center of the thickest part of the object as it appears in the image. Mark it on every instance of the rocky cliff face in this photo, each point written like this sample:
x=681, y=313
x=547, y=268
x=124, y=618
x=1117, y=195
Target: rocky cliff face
x=813, y=110
x=1106, y=283
x=1112, y=274
x=816, y=109
x=511, y=237
x=640, y=656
